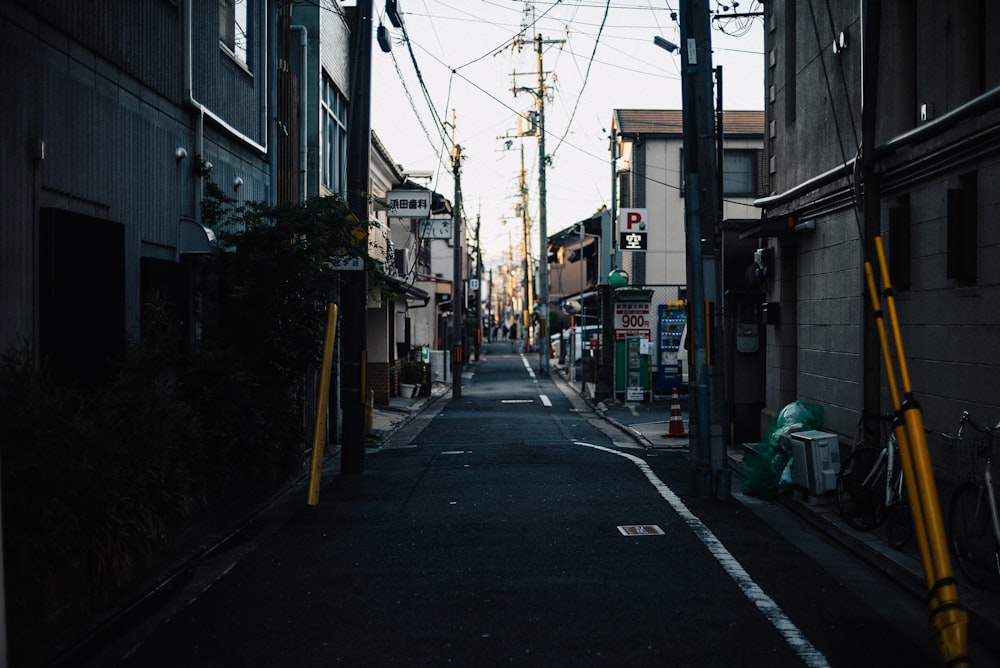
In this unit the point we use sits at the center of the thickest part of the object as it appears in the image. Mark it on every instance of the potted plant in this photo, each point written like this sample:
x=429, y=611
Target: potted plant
x=412, y=375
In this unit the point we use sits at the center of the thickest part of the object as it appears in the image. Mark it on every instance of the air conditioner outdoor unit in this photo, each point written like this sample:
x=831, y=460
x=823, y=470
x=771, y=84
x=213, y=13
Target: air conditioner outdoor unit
x=815, y=461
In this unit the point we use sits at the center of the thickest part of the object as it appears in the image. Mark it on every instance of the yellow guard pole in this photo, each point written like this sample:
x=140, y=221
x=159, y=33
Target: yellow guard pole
x=949, y=620
x=899, y=429
x=319, y=428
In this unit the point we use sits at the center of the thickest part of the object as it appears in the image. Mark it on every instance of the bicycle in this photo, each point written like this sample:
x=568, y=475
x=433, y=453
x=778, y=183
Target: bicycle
x=972, y=514
x=870, y=488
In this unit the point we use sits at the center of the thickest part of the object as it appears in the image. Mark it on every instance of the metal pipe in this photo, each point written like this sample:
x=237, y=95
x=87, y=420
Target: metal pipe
x=303, y=112
x=985, y=102
x=205, y=111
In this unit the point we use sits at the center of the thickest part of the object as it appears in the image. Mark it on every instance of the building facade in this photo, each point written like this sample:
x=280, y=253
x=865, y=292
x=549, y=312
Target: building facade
x=121, y=115
x=650, y=178
x=885, y=124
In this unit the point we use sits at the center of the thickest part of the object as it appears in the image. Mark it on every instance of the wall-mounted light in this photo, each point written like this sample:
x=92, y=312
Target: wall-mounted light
x=805, y=226
x=840, y=43
x=180, y=153
x=237, y=182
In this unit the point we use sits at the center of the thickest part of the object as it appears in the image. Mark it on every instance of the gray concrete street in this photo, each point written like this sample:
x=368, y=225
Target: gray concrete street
x=515, y=526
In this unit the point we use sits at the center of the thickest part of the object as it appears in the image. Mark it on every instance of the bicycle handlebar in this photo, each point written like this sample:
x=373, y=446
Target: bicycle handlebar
x=967, y=420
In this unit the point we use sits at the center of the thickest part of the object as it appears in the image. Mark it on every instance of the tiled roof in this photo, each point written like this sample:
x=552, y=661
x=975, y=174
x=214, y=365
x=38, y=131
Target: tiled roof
x=670, y=122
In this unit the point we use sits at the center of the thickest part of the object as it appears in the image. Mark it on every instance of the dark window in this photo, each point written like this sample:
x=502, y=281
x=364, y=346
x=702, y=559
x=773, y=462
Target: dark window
x=963, y=224
x=739, y=177
x=899, y=243
x=334, y=129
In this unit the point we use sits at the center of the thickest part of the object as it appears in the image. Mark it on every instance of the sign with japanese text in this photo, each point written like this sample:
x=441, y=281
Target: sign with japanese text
x=434, y=228
x=347, y=263
x=632, y=319
x=632, y=229
x=408, y=203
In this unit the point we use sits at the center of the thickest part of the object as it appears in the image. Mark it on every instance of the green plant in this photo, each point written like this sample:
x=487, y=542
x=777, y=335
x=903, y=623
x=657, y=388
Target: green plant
x=412, y=372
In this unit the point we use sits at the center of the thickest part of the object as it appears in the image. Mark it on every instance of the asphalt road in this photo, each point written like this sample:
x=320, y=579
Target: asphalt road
x=490, y=532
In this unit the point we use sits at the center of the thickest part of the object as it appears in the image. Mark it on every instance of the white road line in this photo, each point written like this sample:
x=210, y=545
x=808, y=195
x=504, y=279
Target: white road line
x=527, y=365
x=545, y=400
x=795, y=639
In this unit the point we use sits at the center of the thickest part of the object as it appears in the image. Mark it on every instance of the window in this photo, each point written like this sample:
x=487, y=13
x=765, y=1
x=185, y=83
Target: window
x=899, y=243
x=233, y=27
x=963, y=224
x=738, y=173
x=333, y=162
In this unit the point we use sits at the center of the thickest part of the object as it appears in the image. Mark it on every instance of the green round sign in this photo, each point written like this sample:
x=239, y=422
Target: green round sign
x=618, y=278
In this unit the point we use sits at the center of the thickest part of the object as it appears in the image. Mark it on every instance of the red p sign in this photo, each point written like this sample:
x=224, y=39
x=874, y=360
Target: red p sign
x=633, y=220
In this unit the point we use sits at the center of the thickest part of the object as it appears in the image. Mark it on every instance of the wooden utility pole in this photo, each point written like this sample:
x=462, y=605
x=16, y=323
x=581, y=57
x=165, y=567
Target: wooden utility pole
x=543, y=241
x=700, y=222
x=354, y=284
x=457, y=279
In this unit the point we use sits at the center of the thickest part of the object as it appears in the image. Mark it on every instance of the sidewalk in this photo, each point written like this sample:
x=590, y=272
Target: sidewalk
x=386, y=420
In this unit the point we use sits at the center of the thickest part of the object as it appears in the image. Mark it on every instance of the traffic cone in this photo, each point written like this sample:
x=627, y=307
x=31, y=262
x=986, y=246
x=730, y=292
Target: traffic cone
x=676, y=426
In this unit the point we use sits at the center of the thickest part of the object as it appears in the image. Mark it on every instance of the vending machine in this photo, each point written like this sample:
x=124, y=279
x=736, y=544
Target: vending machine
x=670, y=327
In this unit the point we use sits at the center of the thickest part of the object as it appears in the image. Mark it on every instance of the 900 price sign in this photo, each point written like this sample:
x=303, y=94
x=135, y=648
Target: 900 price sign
x=632, y=320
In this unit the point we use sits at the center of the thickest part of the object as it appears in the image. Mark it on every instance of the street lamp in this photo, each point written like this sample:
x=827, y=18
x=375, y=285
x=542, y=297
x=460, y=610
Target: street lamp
x=665, y=44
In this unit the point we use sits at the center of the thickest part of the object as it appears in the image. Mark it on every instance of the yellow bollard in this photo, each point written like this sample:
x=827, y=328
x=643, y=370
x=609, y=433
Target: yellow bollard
x=319, y=429
x=949, y=620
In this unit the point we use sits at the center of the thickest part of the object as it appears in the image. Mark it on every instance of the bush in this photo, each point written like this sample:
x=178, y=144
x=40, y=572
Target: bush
x=97, y=482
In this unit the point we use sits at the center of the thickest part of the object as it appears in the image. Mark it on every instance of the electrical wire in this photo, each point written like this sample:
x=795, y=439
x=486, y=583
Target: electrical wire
x=586, y=77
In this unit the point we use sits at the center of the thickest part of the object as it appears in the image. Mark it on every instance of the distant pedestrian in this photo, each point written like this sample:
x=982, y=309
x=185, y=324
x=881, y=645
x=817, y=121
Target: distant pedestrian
x=505, y=331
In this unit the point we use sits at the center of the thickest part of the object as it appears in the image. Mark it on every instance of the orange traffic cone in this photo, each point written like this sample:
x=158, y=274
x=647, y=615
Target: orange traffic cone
x=676, y=427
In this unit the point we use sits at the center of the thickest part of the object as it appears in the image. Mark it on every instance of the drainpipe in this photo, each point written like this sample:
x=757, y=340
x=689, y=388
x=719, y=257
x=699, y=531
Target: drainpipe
x=303, y=111
x=201, y=108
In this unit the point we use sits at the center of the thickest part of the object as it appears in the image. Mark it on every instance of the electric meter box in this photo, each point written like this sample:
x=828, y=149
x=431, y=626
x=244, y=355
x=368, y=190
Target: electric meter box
x=815, y=461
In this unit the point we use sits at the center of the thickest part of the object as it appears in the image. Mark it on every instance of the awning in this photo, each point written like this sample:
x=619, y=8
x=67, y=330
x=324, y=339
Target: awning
x=400, y=288
x=196, y=239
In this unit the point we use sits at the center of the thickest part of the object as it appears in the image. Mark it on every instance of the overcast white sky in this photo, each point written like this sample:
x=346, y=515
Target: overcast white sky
x=464, y=53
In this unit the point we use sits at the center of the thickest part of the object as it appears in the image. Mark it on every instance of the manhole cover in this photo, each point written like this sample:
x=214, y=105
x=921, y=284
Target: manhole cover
x=641, y=530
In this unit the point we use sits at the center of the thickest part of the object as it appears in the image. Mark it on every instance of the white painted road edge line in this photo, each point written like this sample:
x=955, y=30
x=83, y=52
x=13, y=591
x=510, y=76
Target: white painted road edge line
x=798, y=642
x=527, y=365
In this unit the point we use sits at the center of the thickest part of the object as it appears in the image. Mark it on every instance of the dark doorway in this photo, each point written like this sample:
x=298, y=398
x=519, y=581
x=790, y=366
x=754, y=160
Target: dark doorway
x=82, y=295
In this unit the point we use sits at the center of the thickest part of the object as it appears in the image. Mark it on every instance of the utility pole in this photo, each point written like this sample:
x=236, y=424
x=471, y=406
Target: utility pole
x=529, y=297
x=543, y=241
x=457, y=279
x=701, y=221
x=354, y=284
x=479, y=290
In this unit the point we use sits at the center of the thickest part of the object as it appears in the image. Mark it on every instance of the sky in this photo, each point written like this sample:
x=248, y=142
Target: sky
x=599, y=57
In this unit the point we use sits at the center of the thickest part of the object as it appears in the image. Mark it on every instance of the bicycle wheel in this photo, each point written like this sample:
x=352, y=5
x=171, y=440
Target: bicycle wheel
x=972, y=539
x=899, y=526
x=860, y=495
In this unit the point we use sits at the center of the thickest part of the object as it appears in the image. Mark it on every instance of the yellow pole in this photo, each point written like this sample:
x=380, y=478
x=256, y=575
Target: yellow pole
x=319, y=429
x=949, y=620
x=899, y=429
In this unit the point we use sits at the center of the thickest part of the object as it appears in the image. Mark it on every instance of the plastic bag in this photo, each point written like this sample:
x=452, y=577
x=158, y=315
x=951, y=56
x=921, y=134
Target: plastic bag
x=769, y=473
